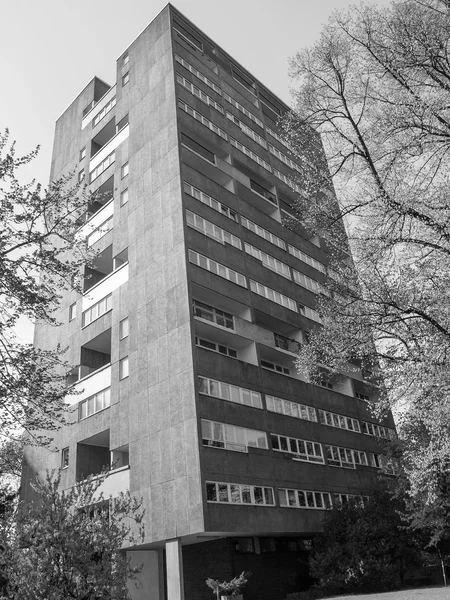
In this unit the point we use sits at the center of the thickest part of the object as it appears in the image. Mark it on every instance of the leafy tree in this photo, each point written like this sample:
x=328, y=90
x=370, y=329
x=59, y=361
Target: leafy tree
x=377, y=87
x=427, y=493
x=364, y=547
x=40, y=255
x=67, y=544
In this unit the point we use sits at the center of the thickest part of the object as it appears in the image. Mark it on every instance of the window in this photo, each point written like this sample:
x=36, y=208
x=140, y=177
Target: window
x=72, y=311
x=226, y=391
x=214, y=267
x=305, y=281
x=265, y=364
x=124, y=197
x=325, y=384
x=125, y=79
x=82, y=153
x=124, y=328
x=109, y=160
x=197, y=148
x=244, y=81
x=310, y=313
x=237, y=493
x=125, y=169
x=125, y=59
x=290, y=409
x=64, y=458
x=262, y=191
x=285, y=159
x=198, y=74
x=211, y=230
x=377, y=430
x=273, y=296
x=251, y=154
x=345, y=457
x=304, y=499
x=246, y=129
x=214, y=347
x=81, y=175
x=350, y=499
x=270, y=103
x=232, y=437
x=95, y=403
x=214, y=315
x=203, y=120
x=312, y=262
x=105, y=110
x=278, y=137
x=339, y=421
x=209, y=201
x=303, y=450
x=242, y=109
x=97, y=310
x=195, y=91
x=287, y=180
x=263, y=233
x=123, y=368
x=360, y=396
x=374, y=460
x=269, y=261
x=188, y=37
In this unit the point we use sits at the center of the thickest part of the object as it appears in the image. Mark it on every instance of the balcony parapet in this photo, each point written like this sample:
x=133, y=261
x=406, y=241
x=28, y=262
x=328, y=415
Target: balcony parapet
x=89, y=384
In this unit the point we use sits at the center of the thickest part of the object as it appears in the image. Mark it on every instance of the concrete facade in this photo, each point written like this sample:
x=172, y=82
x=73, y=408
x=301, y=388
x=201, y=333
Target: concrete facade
x=192, y=132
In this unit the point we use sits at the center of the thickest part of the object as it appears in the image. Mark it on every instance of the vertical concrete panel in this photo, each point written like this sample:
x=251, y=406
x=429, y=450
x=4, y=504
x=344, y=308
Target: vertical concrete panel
x=148, y=584
x=174, y=565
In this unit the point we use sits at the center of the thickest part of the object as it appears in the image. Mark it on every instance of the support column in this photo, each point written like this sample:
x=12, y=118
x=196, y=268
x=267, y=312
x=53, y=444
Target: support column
x=174, y=566
x=149, y=584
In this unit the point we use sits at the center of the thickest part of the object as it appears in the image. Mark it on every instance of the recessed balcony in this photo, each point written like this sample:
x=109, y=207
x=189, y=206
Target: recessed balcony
x=94, y=355
x=103, y=265
x=209, y=336
x=88, y=385
x=258, y=200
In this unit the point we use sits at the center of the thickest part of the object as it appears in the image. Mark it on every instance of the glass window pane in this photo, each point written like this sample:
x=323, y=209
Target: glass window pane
x=206, y=430
x=301, y=498
x=211, y=492
x=223, y=492
x=268, y=495
x=258, y=492
x=235, y=494
x=246, y=496
x=310, y=499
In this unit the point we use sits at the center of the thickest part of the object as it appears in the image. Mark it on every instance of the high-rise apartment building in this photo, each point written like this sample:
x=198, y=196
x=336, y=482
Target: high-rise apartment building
x=187, y=331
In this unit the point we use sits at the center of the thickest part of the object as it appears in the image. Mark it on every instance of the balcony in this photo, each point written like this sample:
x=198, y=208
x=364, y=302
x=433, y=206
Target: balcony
x=94, y=355
x=90, y=384
x=93, y=455
x=102, y=267
x=99, y=223
x=97, y=107
x=108, y=147
x=100, y=198
x=263, y=202
x=117, y=482
x=271, y=359
x=210, y=336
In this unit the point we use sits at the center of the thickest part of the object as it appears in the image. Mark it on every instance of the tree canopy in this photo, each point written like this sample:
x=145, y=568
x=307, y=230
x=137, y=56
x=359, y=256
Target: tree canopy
x=364, y=546
x=40, y=255
x=376, y=86
x=67, y=544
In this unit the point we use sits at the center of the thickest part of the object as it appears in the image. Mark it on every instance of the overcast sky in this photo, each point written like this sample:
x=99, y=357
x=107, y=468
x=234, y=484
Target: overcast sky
x=52, y=48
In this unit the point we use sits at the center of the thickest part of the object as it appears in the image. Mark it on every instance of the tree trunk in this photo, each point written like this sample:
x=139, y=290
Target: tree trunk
x=444, y=575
